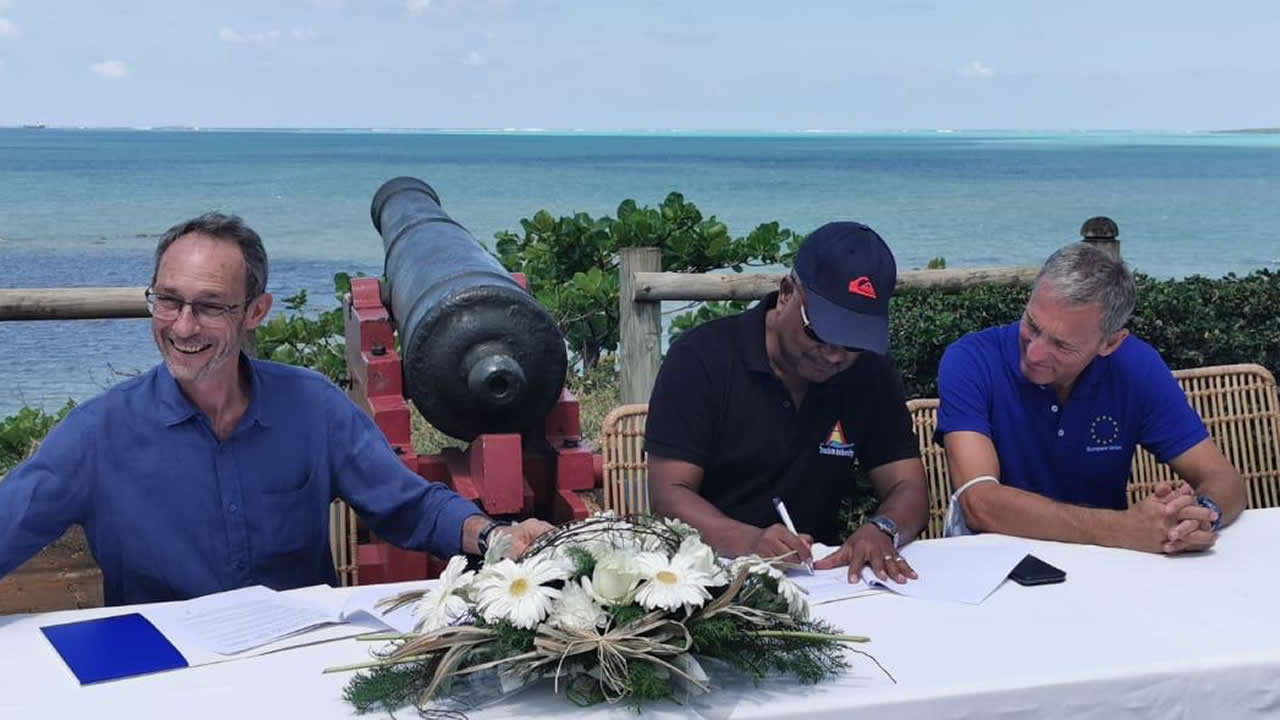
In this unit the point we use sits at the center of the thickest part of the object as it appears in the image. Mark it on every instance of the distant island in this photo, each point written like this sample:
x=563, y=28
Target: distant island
x=1253, y=131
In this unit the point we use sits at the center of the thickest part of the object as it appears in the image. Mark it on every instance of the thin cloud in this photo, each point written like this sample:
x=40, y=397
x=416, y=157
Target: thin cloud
x=298, y=33
x=5, y=4
x=110, y=69
x=227, y=34
x=475, y=58
x=8, y=29
x=417, y=7
x=977, y=69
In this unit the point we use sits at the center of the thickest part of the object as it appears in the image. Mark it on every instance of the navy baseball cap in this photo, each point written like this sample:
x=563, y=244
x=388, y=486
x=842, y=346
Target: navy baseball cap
x=848, y=274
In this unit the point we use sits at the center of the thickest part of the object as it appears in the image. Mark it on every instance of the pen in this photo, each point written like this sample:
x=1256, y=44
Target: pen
x=786, y=520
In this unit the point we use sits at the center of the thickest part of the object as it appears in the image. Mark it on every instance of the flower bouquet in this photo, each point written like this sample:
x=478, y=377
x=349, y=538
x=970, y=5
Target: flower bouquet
x=610, y=609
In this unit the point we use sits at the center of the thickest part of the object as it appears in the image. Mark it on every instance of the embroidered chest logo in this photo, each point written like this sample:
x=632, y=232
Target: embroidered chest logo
x=1104, y=431
x=836, y=444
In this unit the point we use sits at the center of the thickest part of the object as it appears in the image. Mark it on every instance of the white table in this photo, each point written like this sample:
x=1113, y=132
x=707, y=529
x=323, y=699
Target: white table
x=1128, y=635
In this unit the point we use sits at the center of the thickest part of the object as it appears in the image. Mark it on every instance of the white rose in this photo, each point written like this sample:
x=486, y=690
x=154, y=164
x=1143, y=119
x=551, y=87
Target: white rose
x=615, y=576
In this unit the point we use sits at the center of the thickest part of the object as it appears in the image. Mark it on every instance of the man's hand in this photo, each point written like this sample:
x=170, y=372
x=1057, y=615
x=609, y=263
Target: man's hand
x=1192, y=524
x=1169, y=521
x=776, y=540
x=524, y=533
x=869, y=545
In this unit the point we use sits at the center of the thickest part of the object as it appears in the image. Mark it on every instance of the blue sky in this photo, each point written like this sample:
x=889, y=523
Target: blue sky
x=608, y=64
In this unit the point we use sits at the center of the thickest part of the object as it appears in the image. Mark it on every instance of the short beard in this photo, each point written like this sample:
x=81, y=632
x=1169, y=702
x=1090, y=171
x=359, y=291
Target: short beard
x=231, y=349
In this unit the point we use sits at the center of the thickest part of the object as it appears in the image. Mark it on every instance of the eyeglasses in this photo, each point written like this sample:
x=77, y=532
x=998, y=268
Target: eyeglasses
x=168, y=307
x=813, y=335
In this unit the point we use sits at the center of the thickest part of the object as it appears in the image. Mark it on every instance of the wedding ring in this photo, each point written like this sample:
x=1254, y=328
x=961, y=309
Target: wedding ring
x=889, y=557
x=899, y=558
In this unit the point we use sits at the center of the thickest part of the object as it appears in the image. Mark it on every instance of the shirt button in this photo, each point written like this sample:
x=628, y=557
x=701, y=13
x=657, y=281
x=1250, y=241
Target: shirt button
x=786, y=403
x=1053, y=408
x=1061, y=433
x=233, y=507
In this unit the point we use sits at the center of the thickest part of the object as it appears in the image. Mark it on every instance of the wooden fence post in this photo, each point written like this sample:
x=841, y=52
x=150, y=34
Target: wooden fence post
x=1102, y=233
x=641, y=325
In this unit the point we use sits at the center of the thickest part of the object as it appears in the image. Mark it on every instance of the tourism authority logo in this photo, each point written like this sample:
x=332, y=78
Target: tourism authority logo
x=836, y=444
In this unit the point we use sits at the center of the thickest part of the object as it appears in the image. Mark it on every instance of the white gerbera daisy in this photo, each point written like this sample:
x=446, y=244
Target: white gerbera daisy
x=576, y=609
x=442, y=605
x=671, y=582
x=516, y=592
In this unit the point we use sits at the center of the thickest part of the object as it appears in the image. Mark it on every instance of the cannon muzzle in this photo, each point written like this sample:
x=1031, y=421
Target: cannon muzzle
x=480, y=354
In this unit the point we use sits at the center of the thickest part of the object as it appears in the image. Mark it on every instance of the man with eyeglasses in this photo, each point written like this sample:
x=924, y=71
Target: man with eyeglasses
x=1040, y=419
x=787, y=400
x=214, y=470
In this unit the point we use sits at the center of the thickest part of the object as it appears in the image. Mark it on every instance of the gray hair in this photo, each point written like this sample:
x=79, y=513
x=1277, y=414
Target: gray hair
x=223, y=227
x=1081, y=274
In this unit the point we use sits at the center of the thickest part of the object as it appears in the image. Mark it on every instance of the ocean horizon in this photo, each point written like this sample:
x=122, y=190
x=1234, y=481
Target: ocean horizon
x=85, y=207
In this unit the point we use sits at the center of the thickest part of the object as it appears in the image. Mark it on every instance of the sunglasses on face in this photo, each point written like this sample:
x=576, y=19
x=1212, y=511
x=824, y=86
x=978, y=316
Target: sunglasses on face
x=813, y=335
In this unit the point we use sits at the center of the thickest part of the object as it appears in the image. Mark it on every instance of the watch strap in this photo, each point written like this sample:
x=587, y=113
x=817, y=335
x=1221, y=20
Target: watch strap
x=1205, y=501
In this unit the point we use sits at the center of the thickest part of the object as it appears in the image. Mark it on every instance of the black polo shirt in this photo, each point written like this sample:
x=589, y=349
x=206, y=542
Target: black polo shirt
x=718, y=405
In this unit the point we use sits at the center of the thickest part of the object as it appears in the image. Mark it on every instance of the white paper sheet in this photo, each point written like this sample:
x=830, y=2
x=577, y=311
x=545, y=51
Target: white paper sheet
x=954, y=572
x=951, y=572
x=362, y=605
x=232, y=622
x=825, y=586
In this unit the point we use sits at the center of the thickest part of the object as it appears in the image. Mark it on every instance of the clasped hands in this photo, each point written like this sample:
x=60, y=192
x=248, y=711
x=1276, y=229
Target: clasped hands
x=1171, y=521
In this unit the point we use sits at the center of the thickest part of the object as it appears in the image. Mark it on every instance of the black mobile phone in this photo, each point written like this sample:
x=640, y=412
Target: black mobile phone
x=1034, y=571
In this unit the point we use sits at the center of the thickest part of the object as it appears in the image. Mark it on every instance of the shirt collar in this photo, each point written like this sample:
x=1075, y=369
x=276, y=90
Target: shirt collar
x=751, y=330
x=177, y=408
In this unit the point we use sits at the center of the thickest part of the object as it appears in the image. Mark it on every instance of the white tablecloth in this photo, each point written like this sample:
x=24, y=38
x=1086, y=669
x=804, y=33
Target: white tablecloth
x=1128, y=635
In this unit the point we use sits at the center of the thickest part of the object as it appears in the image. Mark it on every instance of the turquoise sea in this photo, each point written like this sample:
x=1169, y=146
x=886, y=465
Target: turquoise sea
x=84, y=207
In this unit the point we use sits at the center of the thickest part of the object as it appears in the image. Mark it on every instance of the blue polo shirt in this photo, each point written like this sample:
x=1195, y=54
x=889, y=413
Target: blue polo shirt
x=171, y=512
x=1080, y=451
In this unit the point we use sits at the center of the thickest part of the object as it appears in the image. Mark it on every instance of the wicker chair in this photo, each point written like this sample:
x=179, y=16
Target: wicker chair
x=342, y=543
x=924, y=419
x=625, y=488
x=1239, y=407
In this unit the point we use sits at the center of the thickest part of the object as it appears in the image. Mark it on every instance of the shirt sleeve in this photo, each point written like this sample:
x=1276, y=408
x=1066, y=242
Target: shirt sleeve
x=1170, y=426
x=47, y=493
x=964, y=391
x=682, y=416
x=890, y=436
x=399, y=505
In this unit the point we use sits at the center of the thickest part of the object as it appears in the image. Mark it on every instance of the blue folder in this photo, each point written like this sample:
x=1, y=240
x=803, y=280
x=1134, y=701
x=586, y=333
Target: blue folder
x=113, y=647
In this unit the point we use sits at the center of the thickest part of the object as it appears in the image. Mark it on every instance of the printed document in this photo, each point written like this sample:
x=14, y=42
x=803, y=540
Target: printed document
x=965, y=572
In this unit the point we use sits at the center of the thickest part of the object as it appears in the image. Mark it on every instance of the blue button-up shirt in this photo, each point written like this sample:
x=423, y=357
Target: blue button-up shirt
x=1079, y=451
x=171, y=512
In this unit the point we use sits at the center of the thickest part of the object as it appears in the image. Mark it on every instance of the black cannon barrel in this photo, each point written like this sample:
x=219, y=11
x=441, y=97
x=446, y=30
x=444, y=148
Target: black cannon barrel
x=479, y=353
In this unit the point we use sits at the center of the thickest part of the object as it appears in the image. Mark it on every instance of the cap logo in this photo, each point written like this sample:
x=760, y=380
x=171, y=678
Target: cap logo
x=862, y=286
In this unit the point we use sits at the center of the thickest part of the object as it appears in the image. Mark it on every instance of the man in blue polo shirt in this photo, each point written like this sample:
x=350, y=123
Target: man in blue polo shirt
x=214, y=471
x=785, y=401
x=1040, y=419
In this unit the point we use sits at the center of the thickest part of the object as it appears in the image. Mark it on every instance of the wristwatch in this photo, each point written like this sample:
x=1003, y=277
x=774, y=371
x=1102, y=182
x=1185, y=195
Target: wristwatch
x=887, y=525
x=482, y=540
x=1205, y=502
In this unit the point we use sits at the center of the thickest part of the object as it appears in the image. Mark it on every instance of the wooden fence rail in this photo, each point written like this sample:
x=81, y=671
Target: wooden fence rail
x=72, y=303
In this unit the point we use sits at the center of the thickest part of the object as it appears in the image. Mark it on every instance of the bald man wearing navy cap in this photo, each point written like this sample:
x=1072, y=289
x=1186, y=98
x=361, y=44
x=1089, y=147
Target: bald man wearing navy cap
x=786, y=400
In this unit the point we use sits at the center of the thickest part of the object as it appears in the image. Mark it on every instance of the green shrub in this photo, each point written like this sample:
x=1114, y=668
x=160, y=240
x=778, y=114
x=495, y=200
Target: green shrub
x=21, y=432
